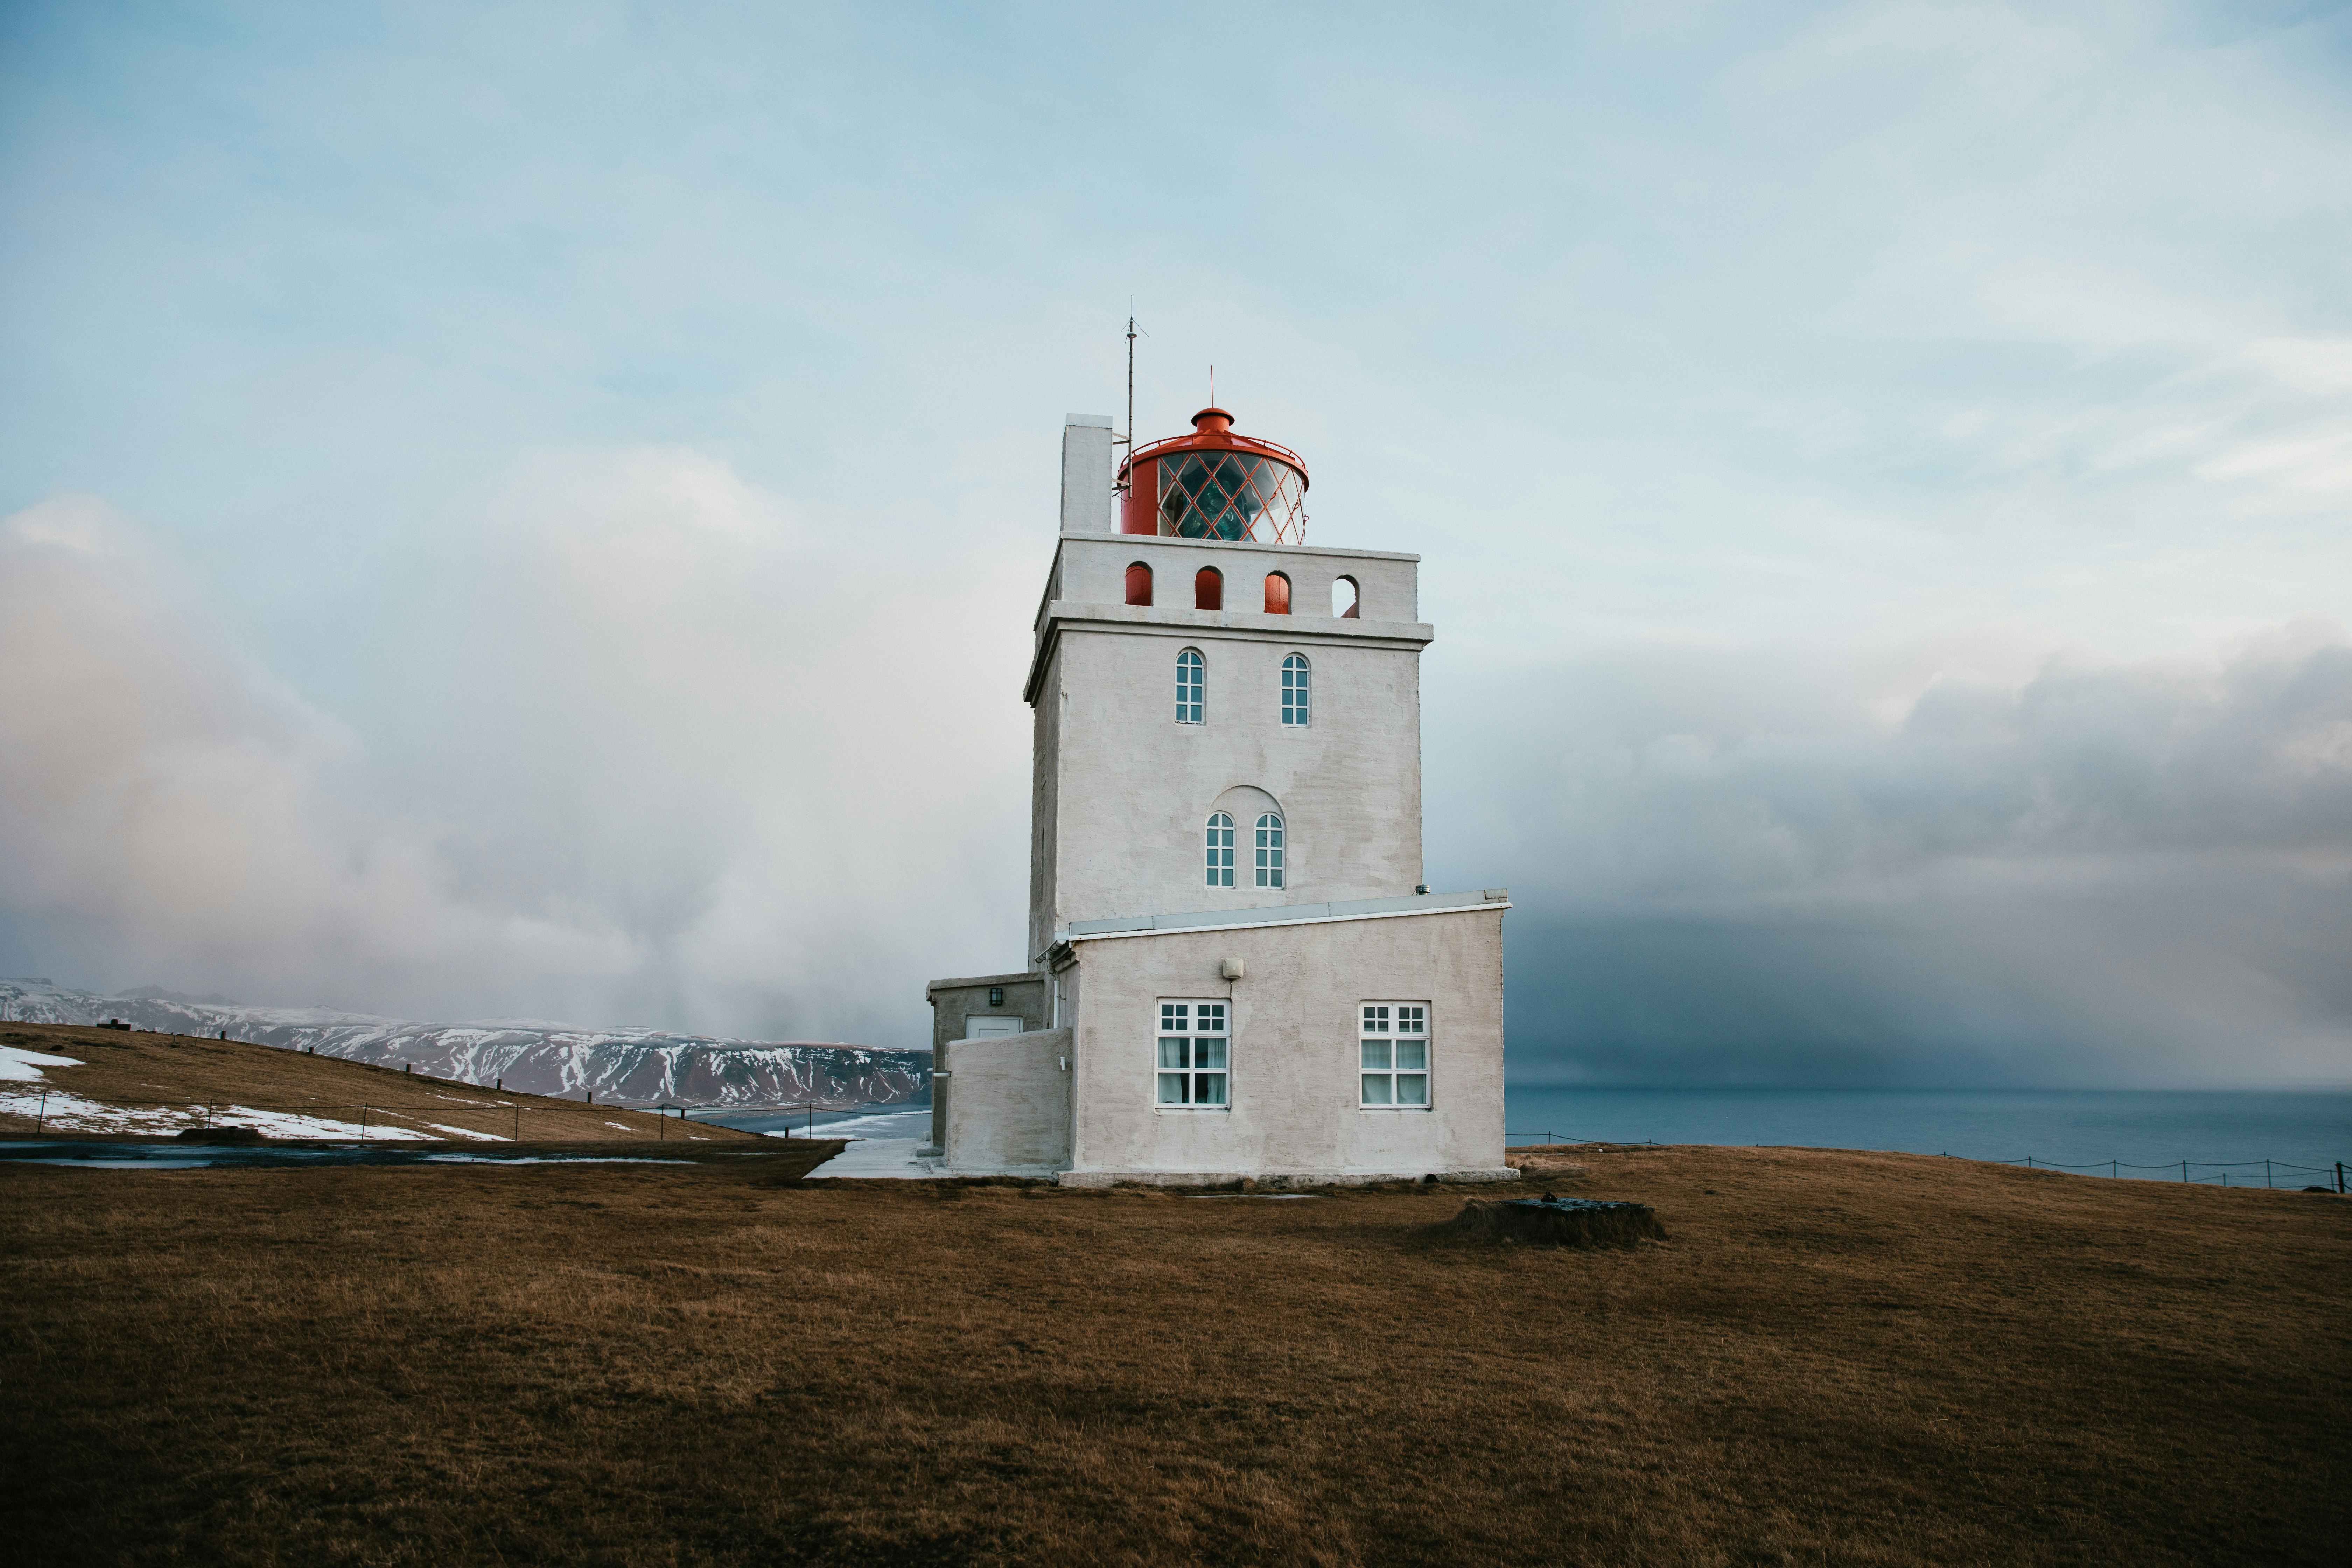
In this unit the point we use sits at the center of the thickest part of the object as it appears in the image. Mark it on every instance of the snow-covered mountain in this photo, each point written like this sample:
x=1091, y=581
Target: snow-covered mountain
x=633, y=1067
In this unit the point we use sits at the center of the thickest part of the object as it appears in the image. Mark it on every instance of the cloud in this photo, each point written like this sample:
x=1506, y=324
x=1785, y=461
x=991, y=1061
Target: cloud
x=696, y=769
x=157, y=789
x=1751, y=867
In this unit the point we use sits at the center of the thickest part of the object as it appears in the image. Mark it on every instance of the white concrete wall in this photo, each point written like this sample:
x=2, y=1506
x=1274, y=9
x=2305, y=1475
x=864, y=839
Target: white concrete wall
x=1294, y=1108
x=1093, y=570
x=1086, y=474
x=955, y=1002
x=1122, y=791
x=1008, y=1105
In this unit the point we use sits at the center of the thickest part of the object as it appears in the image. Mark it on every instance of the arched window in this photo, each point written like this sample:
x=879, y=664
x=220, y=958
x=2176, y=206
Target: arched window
x=1345, y=598
x=1139, y=584
x=1294, y=690
x=1188, y=683
x=1221, y=850
x=1209, y=589
x=1269, y=851
x=1277, y=594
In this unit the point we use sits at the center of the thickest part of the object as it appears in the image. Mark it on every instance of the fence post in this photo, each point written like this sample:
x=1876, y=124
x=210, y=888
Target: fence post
x=44, y=1118
x=2266, y=1172
x=2115, y=1168
x=363, y=1110
x=2184, y=1170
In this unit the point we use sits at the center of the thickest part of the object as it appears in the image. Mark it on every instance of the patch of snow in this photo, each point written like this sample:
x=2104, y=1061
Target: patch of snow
x=468, y=1133
x=70, y=1112
x=292, y=1124
x=19, y=1066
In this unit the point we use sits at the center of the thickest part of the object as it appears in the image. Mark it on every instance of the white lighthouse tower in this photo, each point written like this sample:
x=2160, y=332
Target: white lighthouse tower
x=1235, y=966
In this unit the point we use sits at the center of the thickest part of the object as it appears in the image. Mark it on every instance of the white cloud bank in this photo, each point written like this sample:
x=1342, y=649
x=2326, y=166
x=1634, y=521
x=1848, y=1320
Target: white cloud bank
x=1929, y=866
x=697, y=770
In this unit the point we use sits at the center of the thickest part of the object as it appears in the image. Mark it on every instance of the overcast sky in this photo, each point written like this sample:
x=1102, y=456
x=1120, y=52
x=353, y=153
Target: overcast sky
x=535, y=510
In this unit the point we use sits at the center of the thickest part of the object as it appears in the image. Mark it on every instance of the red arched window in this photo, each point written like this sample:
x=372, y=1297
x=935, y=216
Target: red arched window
x=1209, y=589
x=1138, y=583
x=1277, y=594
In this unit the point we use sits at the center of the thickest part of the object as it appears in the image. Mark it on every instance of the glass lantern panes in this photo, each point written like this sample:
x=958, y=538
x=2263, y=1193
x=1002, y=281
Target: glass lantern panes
x=1193, y=1046
x=1392, y=1055
x=1231, y=495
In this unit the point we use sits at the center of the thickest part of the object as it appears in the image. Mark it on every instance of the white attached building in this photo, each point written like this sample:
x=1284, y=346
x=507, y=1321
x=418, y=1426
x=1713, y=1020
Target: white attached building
x=1236, y=969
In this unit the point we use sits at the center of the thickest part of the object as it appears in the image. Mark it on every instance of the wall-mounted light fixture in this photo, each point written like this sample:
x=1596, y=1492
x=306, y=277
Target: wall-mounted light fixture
x=996, y=995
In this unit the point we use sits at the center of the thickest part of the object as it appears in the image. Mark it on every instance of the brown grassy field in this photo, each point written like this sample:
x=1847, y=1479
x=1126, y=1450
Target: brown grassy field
x=169, y=1079
x=1838, y=1359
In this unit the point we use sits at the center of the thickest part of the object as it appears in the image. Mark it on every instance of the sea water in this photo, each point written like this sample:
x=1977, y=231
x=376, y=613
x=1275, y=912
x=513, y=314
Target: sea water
x=2219, y=1133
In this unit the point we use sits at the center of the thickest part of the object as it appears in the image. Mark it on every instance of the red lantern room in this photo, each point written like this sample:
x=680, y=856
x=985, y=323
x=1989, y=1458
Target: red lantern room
x=1214, y=484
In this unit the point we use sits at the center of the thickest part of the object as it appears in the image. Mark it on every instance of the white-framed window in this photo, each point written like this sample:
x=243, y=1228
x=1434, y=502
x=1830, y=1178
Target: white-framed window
x=1392, y=1055
x=1194, y=1046
x=1269, y=867
x=1220, y=850
x=1294, y=690
x=1191, y=682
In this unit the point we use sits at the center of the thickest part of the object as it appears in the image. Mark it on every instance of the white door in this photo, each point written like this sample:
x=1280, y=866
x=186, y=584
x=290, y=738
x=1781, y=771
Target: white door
x=976, y=1028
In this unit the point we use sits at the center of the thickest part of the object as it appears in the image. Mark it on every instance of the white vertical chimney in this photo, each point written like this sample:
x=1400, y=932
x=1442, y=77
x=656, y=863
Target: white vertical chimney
x=1086, y=474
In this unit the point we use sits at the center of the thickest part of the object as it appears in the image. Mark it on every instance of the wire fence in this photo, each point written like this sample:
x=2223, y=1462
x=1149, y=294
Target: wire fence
x=314, y=1119
x=2331, y=1175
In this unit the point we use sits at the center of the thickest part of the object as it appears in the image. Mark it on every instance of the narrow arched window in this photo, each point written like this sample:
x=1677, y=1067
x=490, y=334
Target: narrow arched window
x=1277, y=594
x=1209, y=589
x=1294, y=690
x=1139, y=584
x=1269, y=851
x=1345, y=598
x=1221, y=850
x=1189, y=683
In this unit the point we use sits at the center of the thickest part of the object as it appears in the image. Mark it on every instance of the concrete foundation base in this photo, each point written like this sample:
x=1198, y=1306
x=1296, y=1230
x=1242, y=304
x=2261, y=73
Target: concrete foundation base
x=1275, y=1180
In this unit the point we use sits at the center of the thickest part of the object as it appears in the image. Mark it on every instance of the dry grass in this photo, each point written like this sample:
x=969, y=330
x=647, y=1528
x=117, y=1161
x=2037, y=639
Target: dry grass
x=1838, y=1359
x=143, y=1070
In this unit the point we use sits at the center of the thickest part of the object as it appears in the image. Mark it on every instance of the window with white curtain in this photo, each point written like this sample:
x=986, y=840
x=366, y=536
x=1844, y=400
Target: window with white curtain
x=1190, y=679
x=1221, y=850
x=1194, y=1048
x=1294, y=690
x=1268, y=849
x=1392, y=1055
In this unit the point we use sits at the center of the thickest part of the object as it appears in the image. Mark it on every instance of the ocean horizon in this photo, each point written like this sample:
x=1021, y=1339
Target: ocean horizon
x=2145, y=1133
x=2227, y=1133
